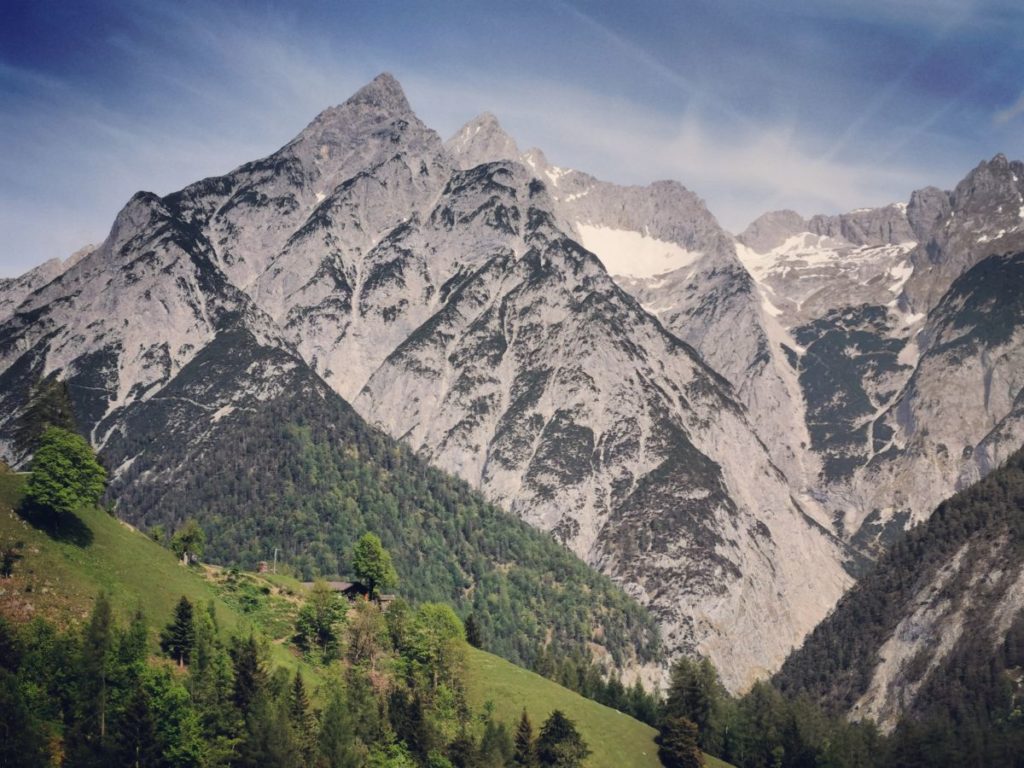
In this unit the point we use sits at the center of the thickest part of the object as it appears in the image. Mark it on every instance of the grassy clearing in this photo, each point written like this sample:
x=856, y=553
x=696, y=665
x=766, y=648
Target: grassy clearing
x=615, y=739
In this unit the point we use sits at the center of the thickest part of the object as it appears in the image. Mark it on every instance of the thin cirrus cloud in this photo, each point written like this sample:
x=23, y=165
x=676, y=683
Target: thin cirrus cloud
x=816, y=107
x=1011, y=113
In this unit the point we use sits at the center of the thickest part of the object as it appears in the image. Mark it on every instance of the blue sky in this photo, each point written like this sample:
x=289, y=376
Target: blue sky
x=817, y=106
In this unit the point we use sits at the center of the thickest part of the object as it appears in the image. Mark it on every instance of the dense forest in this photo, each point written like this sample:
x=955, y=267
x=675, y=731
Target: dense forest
x=972, y=717
x=305, y=475
x=968, y=704
x=395, y=697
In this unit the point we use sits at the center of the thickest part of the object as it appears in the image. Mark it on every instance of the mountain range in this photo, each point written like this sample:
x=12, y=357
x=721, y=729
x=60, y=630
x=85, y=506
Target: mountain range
x=730, y=427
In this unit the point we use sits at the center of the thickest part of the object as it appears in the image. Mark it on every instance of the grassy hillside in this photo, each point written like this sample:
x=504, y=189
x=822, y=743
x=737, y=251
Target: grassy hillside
x=615, y=739
x=62, y=568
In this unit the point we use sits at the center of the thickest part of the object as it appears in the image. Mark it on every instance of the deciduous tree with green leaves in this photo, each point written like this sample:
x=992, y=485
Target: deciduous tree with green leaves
x=372, y=564
x=189, y=541
x=438, y=642
x=320, y=619
x=65, y=473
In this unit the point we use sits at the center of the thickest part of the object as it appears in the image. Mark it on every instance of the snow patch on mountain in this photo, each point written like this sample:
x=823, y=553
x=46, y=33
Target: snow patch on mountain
x=633, y=254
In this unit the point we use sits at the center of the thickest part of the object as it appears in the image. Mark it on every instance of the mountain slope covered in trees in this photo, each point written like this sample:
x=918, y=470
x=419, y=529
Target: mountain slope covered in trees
x=304, y=473
x=45, y=606
x=930, y=643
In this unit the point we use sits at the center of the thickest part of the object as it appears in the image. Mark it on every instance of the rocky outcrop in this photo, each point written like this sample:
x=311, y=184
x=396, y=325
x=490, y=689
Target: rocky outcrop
x=15, y=290
x=985, y=215
x=481, y=140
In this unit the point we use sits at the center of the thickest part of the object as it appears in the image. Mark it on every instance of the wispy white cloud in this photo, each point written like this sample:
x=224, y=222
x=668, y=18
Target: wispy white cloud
x=1015, y=110
x=217, y=88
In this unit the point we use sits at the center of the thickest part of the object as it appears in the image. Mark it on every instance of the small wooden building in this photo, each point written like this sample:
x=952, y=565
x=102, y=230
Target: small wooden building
x=353, y=590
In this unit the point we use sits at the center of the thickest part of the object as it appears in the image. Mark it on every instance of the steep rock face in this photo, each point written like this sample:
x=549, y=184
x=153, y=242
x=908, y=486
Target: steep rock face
x=959, y=415
x=867, y=226
x=898, y=414
x=985, y=215
x=936, y=609
x=662, y=245
x=15, y=290
x=544, y=383
x=125, y=318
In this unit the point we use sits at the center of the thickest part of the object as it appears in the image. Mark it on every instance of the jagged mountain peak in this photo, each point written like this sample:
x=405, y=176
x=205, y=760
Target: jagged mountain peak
x=997, y=177
x=379, y=111
x=481, y=140
x=384, y=92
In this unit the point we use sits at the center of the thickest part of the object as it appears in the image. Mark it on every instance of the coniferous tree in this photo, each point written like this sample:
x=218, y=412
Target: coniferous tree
x=363, y=706
x=525, y=753
x=407, y=717
x=268, y=738
x=678, y=748
x=179, y=637
x=211, y=684
x=49, y=406
x=22, y=741
x=135, y=742
x=473, y=636
x=559, y=744
x=336, y=744
x=303, y=720
x=496, y=748
x=463, y=752
x=249, y=672
x=693, y=694
x=88, y=741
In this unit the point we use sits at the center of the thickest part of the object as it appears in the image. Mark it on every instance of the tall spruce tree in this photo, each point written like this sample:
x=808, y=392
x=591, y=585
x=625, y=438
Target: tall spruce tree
x=473, y=635
x=87, y=743
x=250, y=672
x=559, y=744
x=678, y=748
x=525, y=747
x=336, y=744
x=179, y=637
x=303, y=720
